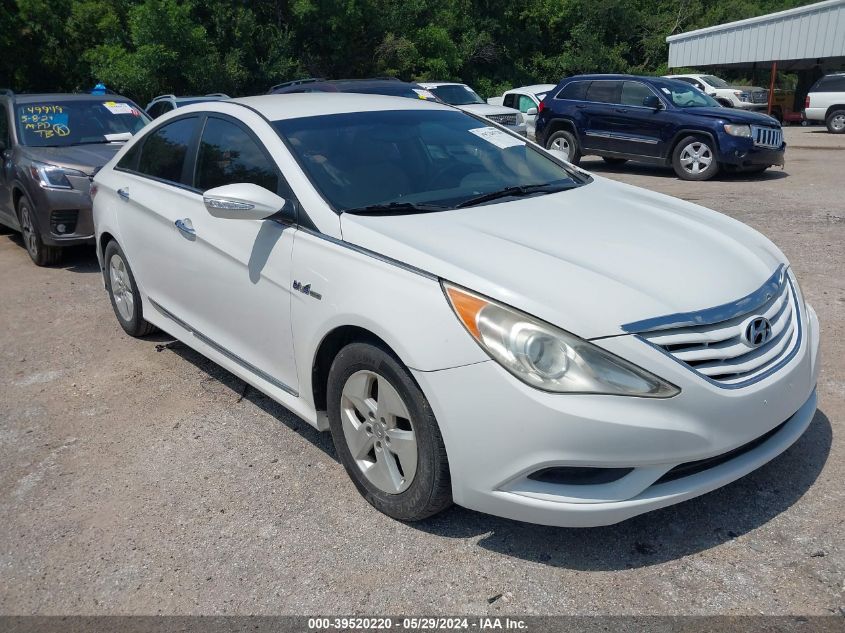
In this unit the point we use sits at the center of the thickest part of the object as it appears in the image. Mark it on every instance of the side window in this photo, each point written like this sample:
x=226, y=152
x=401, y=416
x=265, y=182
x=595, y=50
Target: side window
x=227, y=154
x=509, y=101
x=576, y=90
x=525, y=103
x=633, y=93
x=129, y=160
x=157, y=109
x=604, y=91
x=164, y=151
x=4, y=127
x=832, y=83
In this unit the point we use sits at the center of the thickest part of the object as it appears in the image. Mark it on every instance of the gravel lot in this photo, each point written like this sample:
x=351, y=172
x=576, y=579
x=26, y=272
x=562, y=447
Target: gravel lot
x=136, y=479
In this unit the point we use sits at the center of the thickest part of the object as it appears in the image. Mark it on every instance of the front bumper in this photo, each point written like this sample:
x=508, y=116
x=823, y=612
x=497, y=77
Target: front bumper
x=743, y=153
x=499, y=431
x=68, y=207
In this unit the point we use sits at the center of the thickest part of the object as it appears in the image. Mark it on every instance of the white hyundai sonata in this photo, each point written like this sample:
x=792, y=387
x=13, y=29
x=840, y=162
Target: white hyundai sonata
x=473, y=319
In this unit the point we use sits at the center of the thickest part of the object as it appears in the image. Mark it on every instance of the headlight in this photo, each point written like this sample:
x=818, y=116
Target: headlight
x=546, y=357
x=743, y=96
x=53, y=176
x=738, y=130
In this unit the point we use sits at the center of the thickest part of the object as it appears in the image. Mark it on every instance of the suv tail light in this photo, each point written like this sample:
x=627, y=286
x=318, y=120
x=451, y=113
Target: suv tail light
x=806, y=102
x=540, y=108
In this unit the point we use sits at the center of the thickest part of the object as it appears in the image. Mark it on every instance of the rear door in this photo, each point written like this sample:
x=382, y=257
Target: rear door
x=638, y=130
x=598, y=113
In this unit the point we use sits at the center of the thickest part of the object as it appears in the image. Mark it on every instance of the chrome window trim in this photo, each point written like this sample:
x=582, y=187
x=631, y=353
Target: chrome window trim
x=710, y=316
x=222, y=350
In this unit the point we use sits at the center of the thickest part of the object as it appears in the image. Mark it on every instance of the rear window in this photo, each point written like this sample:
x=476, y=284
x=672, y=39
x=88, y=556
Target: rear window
x=831, y=83
x=575, y=90
x=61, y=123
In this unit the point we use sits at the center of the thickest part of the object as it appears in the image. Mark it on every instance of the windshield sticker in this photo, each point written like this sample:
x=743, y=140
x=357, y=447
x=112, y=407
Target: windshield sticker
x=666, y=91
x=116, y=107
x=497, y=137
x=46, y=121
x=424, y=94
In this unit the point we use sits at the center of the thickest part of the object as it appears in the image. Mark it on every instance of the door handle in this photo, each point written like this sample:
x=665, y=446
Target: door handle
x=623, y=110
x=185, y=226
x=580, y=106
x=123, y=193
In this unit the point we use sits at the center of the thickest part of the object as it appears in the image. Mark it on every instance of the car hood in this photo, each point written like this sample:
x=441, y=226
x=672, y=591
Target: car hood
x=485, y=109
x=588, y=260
x=735, y=115
x=747, y=88
x=85, y=158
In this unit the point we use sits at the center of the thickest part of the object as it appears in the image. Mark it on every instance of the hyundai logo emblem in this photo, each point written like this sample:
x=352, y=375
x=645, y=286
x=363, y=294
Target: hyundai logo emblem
x=758, y=331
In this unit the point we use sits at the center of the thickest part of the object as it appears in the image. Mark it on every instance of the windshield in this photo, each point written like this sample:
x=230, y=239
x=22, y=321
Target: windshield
x=456, y=95
x=684, y=95
x=431, y=157
x=715, y=81
x=56, y=123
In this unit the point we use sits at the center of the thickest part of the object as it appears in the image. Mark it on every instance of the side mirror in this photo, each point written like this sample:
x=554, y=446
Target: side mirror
x=242, y=201
x=653, y=102
x=531, y=111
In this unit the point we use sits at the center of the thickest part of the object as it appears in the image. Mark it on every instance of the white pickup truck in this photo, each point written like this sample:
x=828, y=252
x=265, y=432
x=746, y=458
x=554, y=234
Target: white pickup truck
x=744, y=97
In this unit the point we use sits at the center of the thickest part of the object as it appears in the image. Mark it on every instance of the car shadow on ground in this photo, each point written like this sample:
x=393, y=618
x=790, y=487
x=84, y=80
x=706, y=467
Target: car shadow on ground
x=77, y=259
x=650, y=539
x=659, y=171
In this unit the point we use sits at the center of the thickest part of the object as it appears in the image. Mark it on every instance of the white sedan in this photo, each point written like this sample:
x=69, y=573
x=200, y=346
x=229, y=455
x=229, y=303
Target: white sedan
x=473, y=319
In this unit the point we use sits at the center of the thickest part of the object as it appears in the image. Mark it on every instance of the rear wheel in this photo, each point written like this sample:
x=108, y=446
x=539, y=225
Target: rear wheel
x=564, y=141
x=610, y=160
x=386, y=435
x=123, y=292
x=40, y=253
x=836, y=122
x=694, y=158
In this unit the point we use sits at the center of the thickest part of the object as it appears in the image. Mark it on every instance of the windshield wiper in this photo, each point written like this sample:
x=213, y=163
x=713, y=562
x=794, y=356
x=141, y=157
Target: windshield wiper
x=519, y=190
x=395, y=208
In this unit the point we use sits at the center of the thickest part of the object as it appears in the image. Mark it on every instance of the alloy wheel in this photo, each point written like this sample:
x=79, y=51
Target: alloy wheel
x=378, y=431
x=838, y=122
x=121, y=287
x=30, y=237
x=696, y=157
x=562, y=145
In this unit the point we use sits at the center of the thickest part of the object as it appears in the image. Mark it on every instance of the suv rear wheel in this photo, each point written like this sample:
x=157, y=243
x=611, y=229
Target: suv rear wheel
x=565, y=142
x=694, y=158
x=836, y=122
x=39, y=252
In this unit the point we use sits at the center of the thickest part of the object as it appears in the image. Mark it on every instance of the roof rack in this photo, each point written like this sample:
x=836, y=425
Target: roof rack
x=218, y=94
x=8, y=92
x=296, y=82
x=164, y=97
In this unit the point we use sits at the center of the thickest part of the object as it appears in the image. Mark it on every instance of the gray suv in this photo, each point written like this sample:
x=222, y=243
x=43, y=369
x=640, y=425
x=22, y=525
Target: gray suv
x=51, y=145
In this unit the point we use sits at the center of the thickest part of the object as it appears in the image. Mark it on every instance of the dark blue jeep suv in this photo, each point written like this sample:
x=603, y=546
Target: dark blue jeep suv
x=656, y=120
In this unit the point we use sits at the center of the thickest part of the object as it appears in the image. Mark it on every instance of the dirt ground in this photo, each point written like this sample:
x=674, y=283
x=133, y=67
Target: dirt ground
x=136, y=479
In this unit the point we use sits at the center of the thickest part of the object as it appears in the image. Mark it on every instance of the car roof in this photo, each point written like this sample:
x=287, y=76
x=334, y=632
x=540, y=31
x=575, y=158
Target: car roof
x=59, y=96
x=344, y=85
x=534, y=88
x=302, y=104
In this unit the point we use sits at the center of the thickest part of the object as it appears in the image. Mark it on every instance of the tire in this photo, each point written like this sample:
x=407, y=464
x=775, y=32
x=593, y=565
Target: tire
x=565, y=141
x=40, y=253
x=372, y=399
x=123, y=292
x=610, y=160
x=835, y=122
x=694, y=158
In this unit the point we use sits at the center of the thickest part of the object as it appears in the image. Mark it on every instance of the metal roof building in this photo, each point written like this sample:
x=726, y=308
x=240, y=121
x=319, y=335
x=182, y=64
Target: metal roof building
x=802, y=38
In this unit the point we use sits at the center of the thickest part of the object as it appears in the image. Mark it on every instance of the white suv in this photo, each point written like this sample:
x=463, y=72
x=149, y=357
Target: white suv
x=826, y=102
x=472, y=318
x=744, y=97
x=463, y=97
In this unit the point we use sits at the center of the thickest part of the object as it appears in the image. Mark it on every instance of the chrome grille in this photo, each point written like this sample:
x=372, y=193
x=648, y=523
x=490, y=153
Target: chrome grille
x=719, y=350
x=767, y=136
x=503, y=119
x=760, y=96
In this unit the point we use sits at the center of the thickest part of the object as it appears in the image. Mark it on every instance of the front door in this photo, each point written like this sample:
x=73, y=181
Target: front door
x=638, y=130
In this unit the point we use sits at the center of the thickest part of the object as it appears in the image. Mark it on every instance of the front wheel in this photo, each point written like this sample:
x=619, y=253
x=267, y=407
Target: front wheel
x=40, y=253
x=836, y=122
x=386, y=435
x=123, y=292
x=565, y=142
x=694, y=158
